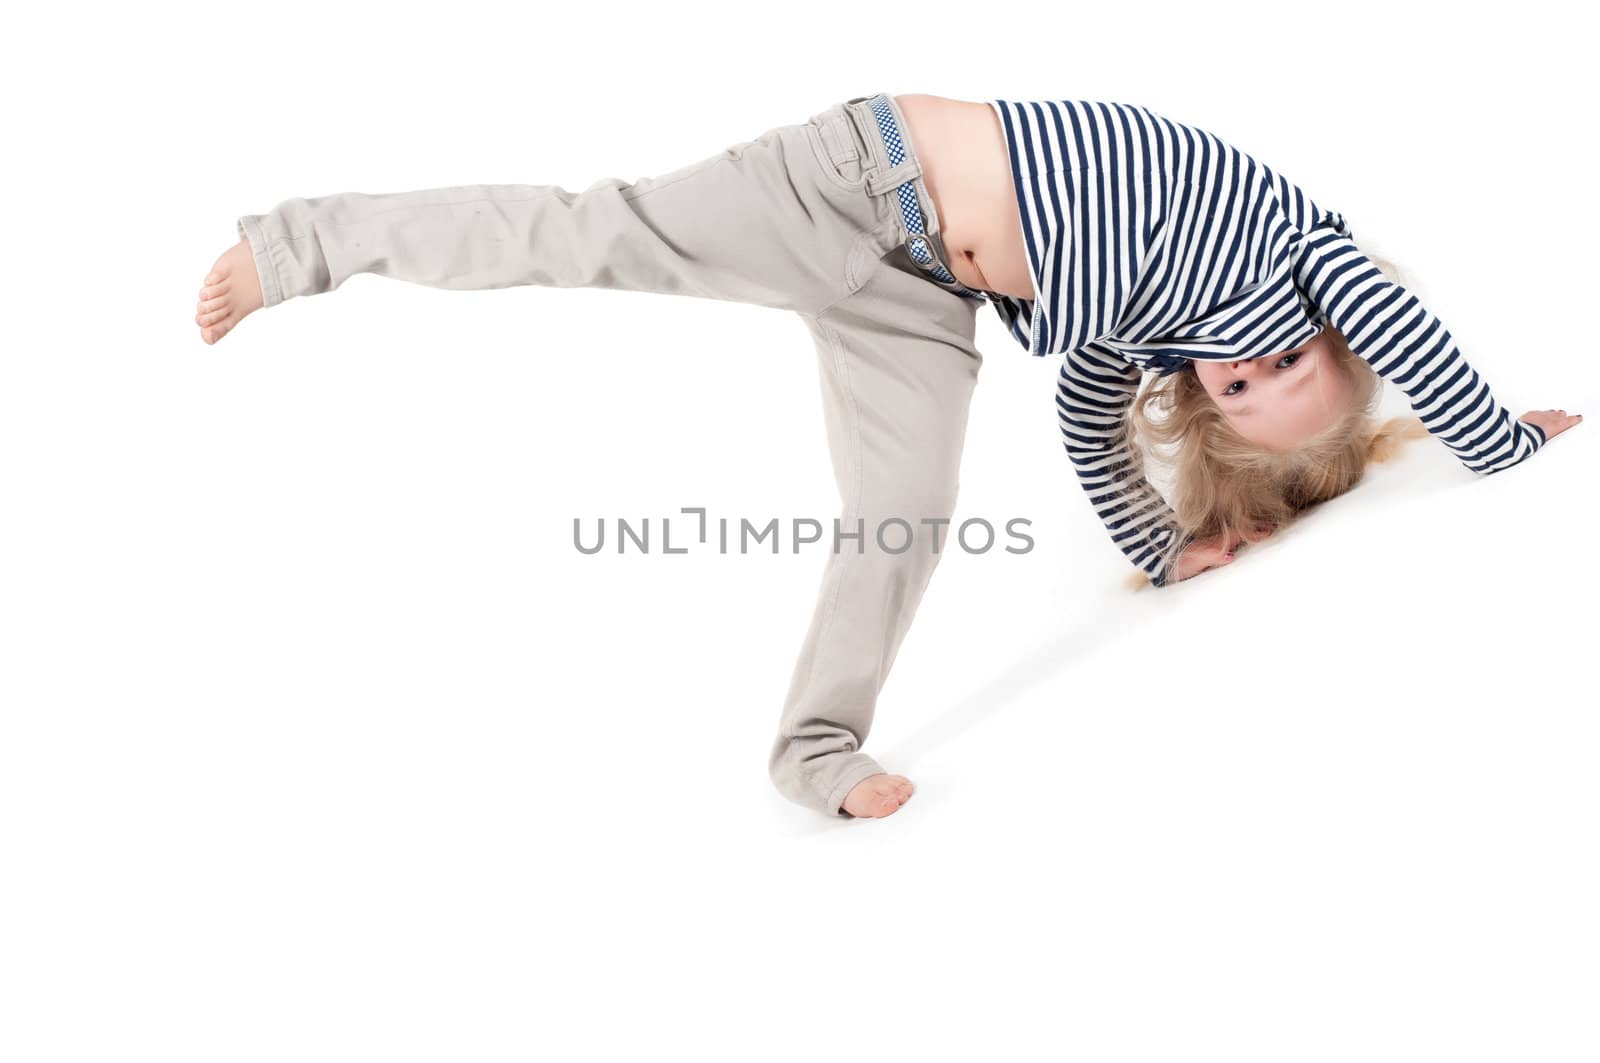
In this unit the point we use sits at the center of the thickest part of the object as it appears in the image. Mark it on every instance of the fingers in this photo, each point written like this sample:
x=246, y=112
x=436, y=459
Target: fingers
x=1259, y=532
x=1204, y=554
x=1208, y=554
x=1221, y=544
x=1552, y=422
x=1200, y=557
x=1190, y=570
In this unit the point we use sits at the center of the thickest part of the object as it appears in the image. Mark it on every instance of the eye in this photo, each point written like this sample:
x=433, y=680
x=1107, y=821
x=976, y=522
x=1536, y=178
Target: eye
x=1234, y=388
x=1288, y=360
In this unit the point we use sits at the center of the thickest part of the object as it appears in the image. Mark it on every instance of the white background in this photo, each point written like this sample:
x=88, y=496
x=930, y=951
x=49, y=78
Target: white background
x=321, y=742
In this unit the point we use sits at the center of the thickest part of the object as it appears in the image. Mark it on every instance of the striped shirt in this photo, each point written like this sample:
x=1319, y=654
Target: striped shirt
x=1151, y=243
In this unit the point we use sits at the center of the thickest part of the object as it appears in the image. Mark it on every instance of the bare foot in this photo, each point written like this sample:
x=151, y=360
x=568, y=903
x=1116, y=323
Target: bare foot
x=878, y=795
x=232, y=291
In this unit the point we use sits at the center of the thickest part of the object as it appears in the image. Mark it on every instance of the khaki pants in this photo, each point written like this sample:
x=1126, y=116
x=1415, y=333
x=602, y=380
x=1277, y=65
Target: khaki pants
x=802, y=218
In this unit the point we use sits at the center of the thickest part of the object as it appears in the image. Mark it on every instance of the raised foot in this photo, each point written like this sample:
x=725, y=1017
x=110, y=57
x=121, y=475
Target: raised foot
x=230, y=292
x=878, y=795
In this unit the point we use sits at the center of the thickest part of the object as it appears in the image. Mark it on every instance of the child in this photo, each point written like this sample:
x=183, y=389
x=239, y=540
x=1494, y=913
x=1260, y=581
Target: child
x=1098, y=231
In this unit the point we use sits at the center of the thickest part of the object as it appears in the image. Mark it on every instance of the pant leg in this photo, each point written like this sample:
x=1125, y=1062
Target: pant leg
x=759, y=222
x=897, y=365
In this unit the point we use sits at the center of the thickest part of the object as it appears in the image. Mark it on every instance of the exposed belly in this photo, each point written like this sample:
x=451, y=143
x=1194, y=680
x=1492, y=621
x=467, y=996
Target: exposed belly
x=965, y=166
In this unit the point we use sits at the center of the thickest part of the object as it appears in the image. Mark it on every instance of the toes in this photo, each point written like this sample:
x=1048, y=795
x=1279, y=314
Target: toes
x=881, y=795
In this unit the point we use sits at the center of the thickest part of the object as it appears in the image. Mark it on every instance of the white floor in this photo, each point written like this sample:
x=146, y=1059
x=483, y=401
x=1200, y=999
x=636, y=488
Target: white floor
x=327, y=731
x=320, y=741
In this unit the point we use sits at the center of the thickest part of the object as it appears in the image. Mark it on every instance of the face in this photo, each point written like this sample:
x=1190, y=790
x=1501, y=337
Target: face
x=1279, y=401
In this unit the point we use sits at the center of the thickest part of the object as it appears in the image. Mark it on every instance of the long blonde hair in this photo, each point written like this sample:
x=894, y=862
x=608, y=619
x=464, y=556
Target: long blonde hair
x=1224, y=485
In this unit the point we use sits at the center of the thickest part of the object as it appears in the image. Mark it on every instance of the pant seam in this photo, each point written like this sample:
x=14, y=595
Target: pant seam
x=852, y=287
x=852, y=499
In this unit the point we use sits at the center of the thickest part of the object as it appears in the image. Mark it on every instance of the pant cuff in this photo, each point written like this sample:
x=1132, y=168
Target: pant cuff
x=271, y=287
x=854, y=768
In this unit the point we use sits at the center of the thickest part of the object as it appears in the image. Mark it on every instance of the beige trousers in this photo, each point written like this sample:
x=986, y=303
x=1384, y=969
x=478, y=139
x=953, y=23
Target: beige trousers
x=804, y=218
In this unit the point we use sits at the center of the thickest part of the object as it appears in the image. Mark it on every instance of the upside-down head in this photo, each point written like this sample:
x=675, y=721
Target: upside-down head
x=1253, y=443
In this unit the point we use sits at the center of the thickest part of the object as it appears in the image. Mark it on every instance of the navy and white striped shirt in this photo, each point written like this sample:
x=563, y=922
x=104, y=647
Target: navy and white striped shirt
x=1151, y=243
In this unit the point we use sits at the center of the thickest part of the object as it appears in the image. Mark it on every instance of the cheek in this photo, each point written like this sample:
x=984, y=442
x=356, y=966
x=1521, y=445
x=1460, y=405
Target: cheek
x=1332, y=391
x=1343, y=389
x=1209, y=375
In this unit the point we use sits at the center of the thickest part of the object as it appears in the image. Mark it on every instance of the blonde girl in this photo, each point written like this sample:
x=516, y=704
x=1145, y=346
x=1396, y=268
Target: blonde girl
x=1101, y=233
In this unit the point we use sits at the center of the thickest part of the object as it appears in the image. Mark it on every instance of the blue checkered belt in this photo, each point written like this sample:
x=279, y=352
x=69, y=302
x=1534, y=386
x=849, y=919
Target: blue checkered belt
x=918, y=241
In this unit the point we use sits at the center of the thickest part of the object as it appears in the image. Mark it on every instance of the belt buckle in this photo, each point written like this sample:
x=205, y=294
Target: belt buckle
x=933, y=262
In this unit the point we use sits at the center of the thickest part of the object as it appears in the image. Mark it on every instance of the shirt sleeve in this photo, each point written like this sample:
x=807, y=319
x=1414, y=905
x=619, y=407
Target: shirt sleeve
x=1095, y=389
x=1387, y=326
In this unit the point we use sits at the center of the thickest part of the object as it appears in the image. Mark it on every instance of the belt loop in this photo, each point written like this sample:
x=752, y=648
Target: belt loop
x=882, y=181
x=859, y=113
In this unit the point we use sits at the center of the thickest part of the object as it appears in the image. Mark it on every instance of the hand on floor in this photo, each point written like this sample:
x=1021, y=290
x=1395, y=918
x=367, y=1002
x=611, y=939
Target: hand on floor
x=1204, y=554
x=1551, y=422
